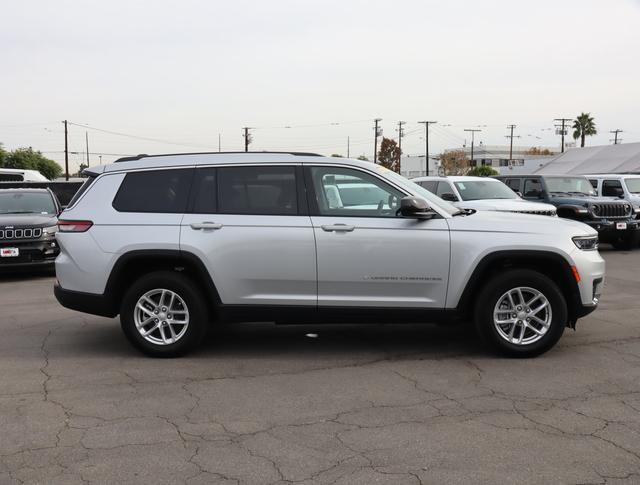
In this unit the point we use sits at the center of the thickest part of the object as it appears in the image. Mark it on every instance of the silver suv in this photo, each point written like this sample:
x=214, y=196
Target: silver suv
x=174, y=242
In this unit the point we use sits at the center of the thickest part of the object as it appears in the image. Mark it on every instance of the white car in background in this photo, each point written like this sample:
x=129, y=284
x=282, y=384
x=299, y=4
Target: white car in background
x=482, y=193
x=625, y=186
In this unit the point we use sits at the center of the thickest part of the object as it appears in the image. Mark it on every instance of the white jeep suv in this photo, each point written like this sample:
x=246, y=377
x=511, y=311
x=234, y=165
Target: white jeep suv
x=174, y=242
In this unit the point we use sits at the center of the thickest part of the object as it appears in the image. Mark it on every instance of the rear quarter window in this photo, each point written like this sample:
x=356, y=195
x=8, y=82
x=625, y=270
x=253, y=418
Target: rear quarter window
x=83, y=188
x=165, y=191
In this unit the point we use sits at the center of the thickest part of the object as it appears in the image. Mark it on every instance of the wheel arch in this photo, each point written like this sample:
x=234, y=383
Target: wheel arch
x=548, y=263
x=133, y=264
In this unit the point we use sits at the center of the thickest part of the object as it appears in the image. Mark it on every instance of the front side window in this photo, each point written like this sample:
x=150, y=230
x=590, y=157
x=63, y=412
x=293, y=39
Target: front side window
x=11, y=177
x=513, y=184
x=612, y=188
x=162, y=191
x=430, y=185
x=444, y=188
x=258, y=190
x=347, y=192
x=633, y=185
x=532, y=188
x=26, y=203
x=484, y=189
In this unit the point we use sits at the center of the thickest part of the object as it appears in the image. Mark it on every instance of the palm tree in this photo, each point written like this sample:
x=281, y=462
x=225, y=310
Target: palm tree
x=584, y=126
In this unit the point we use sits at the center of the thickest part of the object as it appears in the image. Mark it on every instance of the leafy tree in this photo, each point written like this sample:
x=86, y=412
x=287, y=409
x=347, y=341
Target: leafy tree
x=584, y=126
x=389, y=154
x=538, y=151
x=363, y=158
x=3, y=155
x=454, y=162
x=483, y=171
x=29, y=159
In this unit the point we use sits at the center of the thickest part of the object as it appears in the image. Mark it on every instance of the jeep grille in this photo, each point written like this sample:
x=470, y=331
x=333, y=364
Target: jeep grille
x=611, y=211
x=20, y=233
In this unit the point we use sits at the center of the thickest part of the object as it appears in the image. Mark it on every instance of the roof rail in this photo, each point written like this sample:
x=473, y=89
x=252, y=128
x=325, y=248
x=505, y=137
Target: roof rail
x=144, y=155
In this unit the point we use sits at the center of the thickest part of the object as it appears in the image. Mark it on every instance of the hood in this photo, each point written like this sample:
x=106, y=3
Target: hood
x=583, y=201
x=509, y=205
x=27, y=220
x=494, y=221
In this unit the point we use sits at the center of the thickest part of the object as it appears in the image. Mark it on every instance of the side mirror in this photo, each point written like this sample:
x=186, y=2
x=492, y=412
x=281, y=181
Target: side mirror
x=518, y=193
x=449, y=197
x=415, y=207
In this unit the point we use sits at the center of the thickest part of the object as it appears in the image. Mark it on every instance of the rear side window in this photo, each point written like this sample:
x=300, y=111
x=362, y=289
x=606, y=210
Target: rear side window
x=11, y=177
x=430, y=185
x=259, y=190
x=154, y=191
x=83, y=188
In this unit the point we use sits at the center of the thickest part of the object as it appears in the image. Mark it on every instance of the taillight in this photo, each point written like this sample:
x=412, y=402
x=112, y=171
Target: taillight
x=74, y=226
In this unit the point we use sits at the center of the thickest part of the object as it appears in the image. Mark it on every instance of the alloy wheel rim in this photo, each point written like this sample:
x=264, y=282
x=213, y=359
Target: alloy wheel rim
x=522, y=315
x=161, y=316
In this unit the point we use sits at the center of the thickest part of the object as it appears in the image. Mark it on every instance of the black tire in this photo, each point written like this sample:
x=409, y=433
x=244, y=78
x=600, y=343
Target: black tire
x=186, y=289
x=498, y=286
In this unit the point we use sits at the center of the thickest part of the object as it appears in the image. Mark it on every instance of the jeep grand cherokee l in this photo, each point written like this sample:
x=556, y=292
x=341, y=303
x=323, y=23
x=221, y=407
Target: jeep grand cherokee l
x=174, y=242
x=28, y=223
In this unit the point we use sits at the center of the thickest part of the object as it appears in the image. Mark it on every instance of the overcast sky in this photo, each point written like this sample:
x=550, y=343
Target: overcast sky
x=185, y=71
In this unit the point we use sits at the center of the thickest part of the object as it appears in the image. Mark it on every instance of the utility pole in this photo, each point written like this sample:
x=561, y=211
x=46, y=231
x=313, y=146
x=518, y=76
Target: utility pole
x=400, y=135
x=66, y=152
x=511, y=137
x=376, y=134
x=615, y=135
x=473, y=137
x=348, y=147
x=563, y=132
x=86, y=137
x=247, y=138
x=219, y=143
x=426, y=143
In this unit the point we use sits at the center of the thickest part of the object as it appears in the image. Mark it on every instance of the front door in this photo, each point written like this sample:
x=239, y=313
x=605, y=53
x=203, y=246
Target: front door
x=367, y=255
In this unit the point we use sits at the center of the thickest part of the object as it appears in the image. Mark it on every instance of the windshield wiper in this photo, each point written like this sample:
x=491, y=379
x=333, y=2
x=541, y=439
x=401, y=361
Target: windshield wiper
x=578, y=193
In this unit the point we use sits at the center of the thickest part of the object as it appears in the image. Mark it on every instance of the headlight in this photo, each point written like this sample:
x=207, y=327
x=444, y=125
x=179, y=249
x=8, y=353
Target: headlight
x=49, y=231
x=586, y=243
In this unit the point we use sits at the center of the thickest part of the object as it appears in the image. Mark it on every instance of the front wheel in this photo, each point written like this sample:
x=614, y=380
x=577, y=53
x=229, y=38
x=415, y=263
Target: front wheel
x=163, y=314
x=521, y=313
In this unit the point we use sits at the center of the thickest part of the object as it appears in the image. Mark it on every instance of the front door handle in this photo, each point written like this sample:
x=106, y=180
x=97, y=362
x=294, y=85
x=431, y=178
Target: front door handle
x=338, y=228
x=205, y=225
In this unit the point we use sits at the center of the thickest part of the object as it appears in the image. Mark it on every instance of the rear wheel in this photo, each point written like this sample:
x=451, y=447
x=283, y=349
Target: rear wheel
x=521, y=313
x=163, y=314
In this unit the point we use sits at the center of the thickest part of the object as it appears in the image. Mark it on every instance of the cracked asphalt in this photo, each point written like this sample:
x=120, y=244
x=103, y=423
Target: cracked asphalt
x=265, y=404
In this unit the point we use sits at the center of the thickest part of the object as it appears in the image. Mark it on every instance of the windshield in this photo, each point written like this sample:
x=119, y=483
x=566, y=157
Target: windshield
x=26, y=203
x=569, y=185
x=484, y=189
x=633, y=185
x=416, y=189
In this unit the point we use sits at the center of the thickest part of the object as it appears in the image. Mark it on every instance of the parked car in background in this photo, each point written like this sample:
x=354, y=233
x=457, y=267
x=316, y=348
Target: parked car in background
x=20, y=175
x=172, y=243
x=28, y=224
x=482, y=193
x=624, y=186
x=575, y=198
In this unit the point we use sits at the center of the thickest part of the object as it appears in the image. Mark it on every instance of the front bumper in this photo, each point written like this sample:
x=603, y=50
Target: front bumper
x=39, y=253
x=608, y=231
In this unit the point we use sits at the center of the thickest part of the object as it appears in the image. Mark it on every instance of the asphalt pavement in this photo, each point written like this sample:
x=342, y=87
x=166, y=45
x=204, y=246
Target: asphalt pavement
x=356, y=404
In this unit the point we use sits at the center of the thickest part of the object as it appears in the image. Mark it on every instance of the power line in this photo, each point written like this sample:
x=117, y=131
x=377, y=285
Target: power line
x=426, y=147
x=511, y=137
x=562, y=130
x=473, y=133
x=615, y=135
x=376, y=134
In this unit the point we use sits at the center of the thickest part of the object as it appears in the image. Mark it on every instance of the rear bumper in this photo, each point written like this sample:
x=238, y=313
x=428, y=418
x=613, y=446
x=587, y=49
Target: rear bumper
x=85, y=302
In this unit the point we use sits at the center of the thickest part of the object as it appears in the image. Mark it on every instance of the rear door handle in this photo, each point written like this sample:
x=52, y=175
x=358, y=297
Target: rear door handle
x=338, y=228
x=205, y=225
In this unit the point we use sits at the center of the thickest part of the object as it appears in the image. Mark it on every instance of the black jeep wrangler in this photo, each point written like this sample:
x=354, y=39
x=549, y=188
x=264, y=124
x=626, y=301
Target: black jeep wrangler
x=615, y=220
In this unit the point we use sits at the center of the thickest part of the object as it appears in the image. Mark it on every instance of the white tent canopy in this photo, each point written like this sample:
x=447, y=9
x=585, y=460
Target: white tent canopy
x=623, y=158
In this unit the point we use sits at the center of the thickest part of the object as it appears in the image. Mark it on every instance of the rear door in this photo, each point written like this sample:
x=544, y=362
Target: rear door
x=250, y=226
x=367, y=255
